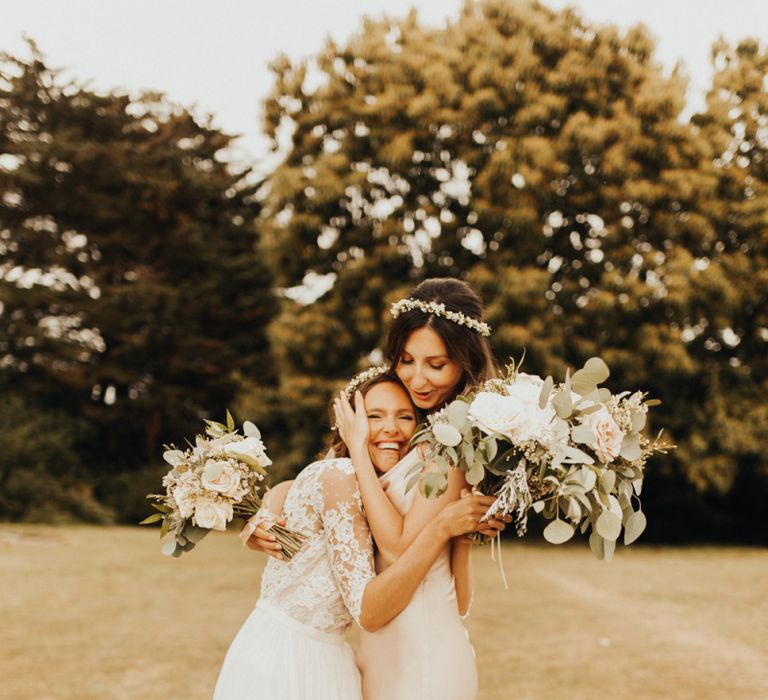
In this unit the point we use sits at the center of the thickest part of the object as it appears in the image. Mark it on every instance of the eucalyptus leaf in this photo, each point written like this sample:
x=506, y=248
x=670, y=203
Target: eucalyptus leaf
x=609, y=547
x=583, y=434
x=446, y=434
x=250, y=430
x=453, y=455
x=596, y=544
x=594, y=408
x=607, y=481
x=596, y=366
x=442, y=464
x=412, y=482
x=456, y=413
x=583, y=382
x=634, y=528
x=630, y=447
x=638, y=420
x=169, y=546
x=608, y=525
x=475, y=474
x=563, y=405
x=538, y=506
x=546, y=389
x=491, y=448
x=468, y=452
x=587, y=478
x=637, y=484
x=558, y=531
x=573, y=455
x=604, y=394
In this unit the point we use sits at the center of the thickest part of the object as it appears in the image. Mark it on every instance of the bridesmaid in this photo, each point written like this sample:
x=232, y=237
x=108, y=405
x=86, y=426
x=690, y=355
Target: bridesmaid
x=438, y=348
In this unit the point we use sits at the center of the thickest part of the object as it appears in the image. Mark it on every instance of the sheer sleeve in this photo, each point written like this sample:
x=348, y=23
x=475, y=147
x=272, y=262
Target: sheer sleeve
x=347, y=537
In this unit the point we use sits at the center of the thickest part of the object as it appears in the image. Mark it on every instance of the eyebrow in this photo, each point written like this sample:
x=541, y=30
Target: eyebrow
x=431, y=357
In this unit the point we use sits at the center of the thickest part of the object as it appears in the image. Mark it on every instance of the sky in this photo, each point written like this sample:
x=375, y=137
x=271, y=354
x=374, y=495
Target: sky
x=214, y=55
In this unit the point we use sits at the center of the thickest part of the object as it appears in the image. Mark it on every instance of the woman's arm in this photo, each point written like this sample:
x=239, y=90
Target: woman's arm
x=375, y=600
x=393, y=532
x=461, y=567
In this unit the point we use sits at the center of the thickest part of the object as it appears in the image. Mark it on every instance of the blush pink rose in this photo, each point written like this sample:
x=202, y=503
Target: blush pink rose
x=608, y=435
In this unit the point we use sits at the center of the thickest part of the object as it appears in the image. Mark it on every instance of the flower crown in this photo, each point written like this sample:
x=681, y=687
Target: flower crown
x=363, y=377
x=433, y=307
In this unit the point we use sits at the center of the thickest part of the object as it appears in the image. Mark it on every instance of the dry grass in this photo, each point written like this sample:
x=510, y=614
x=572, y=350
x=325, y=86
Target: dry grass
x=99, y=613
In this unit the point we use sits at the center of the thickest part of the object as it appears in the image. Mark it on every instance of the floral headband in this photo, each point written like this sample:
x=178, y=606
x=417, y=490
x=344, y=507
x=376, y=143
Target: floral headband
x=363, y=377
x=433, y=307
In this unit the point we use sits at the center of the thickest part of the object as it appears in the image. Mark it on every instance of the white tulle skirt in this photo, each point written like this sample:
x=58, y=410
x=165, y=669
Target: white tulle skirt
x=274, y=657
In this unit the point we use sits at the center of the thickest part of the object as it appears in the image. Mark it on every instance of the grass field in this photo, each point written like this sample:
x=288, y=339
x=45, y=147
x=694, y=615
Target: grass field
x=99, y=613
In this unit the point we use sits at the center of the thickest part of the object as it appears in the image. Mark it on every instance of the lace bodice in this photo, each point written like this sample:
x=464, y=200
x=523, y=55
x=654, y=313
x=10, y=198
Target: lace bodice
x=323, y=585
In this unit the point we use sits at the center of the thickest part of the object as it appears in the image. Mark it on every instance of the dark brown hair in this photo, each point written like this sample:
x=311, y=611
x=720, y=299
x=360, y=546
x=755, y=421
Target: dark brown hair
x=337, y=445
x=471, y=350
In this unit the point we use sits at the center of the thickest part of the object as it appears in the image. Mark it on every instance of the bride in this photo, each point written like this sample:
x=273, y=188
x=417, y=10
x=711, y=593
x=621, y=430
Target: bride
x=292, y=647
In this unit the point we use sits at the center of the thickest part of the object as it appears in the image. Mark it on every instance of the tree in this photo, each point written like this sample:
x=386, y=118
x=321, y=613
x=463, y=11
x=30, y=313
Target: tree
x=130, y=289
x=546, y=160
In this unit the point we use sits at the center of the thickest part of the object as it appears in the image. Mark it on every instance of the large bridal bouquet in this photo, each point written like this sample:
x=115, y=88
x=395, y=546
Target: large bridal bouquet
x=211, y=483
x=572, y=451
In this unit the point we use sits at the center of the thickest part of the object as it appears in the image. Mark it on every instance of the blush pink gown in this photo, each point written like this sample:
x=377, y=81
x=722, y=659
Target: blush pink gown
x=424, y=653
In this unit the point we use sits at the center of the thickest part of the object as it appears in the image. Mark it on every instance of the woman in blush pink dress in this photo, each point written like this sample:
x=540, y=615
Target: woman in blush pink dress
x=438, y=348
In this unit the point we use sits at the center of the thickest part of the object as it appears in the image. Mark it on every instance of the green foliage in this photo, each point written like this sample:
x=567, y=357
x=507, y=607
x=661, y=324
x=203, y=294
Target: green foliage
x=547, y=161
x=131, y=294
x=40, y=477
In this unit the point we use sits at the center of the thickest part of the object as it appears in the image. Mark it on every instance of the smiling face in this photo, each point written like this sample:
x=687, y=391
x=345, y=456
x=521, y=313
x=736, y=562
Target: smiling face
x=426, y=369
x=392, y=421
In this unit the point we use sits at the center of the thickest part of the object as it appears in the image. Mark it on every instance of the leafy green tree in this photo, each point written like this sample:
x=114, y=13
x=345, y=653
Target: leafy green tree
x=547, y=160
x=131, y=294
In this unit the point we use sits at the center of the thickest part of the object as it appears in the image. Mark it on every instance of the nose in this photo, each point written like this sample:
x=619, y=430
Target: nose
x=418, y=381
x=390, y=426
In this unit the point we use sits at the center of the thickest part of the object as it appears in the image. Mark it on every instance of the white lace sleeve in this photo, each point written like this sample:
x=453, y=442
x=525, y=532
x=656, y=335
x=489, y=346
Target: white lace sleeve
x=347, y=537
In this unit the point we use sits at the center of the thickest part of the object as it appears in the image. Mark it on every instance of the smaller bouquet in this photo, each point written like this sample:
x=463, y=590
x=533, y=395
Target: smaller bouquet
x=218, y=479
x=572, y=451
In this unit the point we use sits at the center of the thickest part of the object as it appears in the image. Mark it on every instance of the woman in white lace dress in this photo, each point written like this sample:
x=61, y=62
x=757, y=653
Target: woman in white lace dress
x=291, y=647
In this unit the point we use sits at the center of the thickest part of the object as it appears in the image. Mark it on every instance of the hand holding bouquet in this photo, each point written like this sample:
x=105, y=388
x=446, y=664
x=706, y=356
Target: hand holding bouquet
x=218, y=479
x=572, y=451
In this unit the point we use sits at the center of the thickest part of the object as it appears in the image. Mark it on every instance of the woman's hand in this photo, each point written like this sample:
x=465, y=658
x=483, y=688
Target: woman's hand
x=259, y=538
x=352, y=423
x=463, y=516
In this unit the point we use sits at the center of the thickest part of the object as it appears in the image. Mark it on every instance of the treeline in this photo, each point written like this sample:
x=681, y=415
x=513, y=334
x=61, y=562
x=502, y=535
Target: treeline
x=144, y=285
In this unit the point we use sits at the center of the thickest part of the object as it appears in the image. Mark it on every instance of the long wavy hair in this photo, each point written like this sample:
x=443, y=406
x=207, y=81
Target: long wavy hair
x=467, y=347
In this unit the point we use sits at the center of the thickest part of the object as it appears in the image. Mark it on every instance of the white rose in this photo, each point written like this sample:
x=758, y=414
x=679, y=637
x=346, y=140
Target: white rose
x=212, y=514
x=184, y=496
x=493, y=413
x=554, y=437
x=249, y=450
x=526, y=388
x=222, y=478
x=608, y=435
